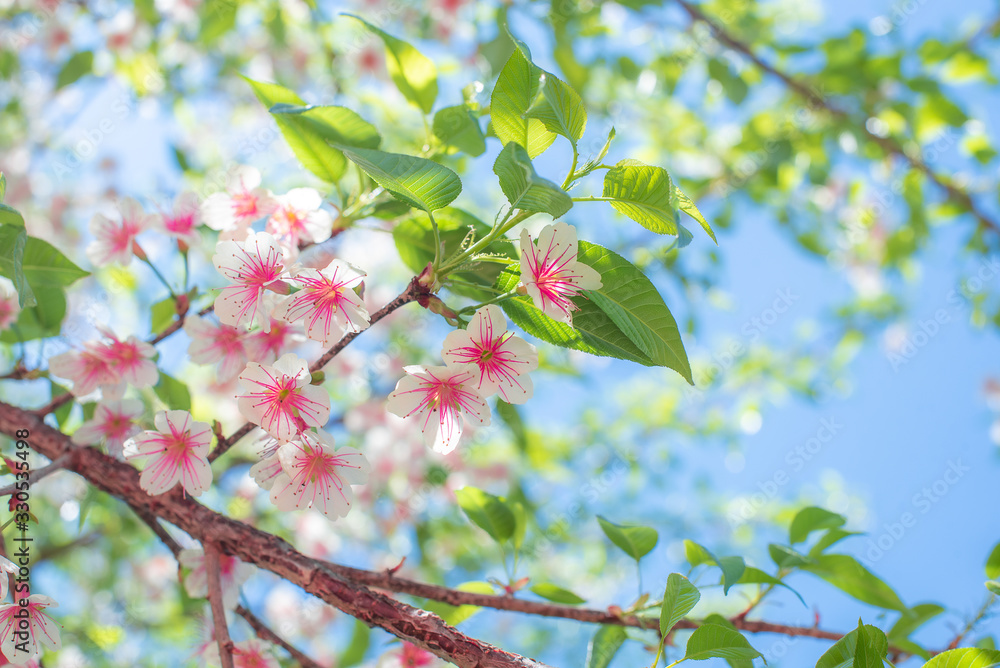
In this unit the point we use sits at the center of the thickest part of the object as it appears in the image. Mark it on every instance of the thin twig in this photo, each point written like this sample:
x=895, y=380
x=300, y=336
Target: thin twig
x=37, y=474
x=218, y=609
x=265, y=633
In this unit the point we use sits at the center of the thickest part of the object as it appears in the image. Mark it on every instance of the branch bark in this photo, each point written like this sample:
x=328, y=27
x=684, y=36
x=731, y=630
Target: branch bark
x=213, y=577
x=265, y=633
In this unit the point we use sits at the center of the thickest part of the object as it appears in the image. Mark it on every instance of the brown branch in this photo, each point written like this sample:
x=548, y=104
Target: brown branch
x=412, y=292
x=266, y=551
x=265, y=633
x=815, y=100
x=215, y=600
x=37, y=474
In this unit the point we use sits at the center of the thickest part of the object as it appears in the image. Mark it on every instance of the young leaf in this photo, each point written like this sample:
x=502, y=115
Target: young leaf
x=993, y=563
x=488, y=512
x=335, y=125
x=848, y=575
x=516, y=89
x=717, y=641
x=913, y=619
x=626, y=318
x=42, y=264
x=511, y=417
x=786, y=557
x=40, y=321
x=966, y=657
x=557, y=594
x=604, y=645
x=643, y=193
x=311, y=149
x=684, y=203
x=162, y=314
x=14, y=239
x=413, y=73
x=173, y=393
x=679, y=599
x=457, y=127
x=812, y=519
x=10, y=216
x=419, y=182
x=732, y=567
x=78, y=65
x=756, y=576
x=524, y=188
x=559, y=108
x=635, y=541
x=829, y=539
x=866, y=644
x=355, y=652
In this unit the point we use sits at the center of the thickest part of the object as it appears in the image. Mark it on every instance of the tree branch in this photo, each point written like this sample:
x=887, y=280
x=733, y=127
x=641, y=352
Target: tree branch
x=215, y=600
x=265, y=633
x=888, y=144
x=37, y=474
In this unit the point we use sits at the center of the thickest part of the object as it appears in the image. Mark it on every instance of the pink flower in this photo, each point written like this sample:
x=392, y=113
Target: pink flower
x=251, y=266
x=130, y=361
x=114, y=240
x=232, y=574
x=280, y=398
x=315, y=475
x=7, y=567
x=504, y=360
x=253, y=653
x=214, y=342
x=408, y=656
x=265, y=346
x=87, y=369
x=551, y=273
x=243, y=203
x=113, y=424
x=298, y=217
x=9, y=306
x=177, y=452
x=327, y=303
x=440, y=397
x=20, y=644
x=182, y=223
x=265, y=471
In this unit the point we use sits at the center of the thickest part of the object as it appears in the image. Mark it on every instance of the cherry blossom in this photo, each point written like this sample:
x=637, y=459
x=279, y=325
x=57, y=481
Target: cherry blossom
x=280, y=398
x=20, y=644
x=213, y=342
x=253, y=653
x=130, y=360
x=441, y=397
x=183, y=221
x=251, y=266
x=327, y=303
x=298, y=217
x=265, y=346
x=551, y=273
x=235, y=210
x=408, y=656
x=10, y=308
x=7, y=567
x=315, y=474
x=232, y=574
x=87, y=369
x=113, y=424
x=268, y=468
x=177, y=452
x=114, y=240
x=503, y=359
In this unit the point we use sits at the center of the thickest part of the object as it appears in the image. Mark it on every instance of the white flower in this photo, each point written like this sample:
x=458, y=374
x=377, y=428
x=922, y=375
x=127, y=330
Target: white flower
x=10, y=308
x=281, y=399
x=113, y=424
x=20, y=644
x=176, y=452
x=250, y=266
x=244, y=202
x=113, y=242
x=232, y=574
x=551, y=273
x=316, y=475
x=298, y=217
x=327, y=304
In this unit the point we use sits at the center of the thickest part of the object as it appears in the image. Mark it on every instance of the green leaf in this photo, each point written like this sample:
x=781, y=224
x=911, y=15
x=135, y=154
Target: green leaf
x=847, y=574
x=697, y=555
x=61, y=413
x=786, y=557
x=559, y=108
x=336, y=125
x=604, y=645
x=162, y=314
x=512, y=418
x=413, y=73
x=845, y=653
x=455, y=615
x=993, y=586
x=14, y=239
x=643, y=193
x=557, y=594
x=599, y=158
x=3, y=186
x=756, y=576
x=830, y=538
x=490, y=513
x=78, y=65
x=524, y=188
x=913, y=619
x=10, y=216
x=217, y=18
x=419, y=182
x=716, y=618
x=812, y=519
x=520, y=523
x=966, y=657
x=635, y=541
x=173, y=393
x=415, y=243
x=679, y=598
x=717, y=641
x=40, y=321
x=355, y=652
x=993, y=563
x=300, y=133
x=457, y=127
x=516, y=89
x=732, y=567
x=684, y=203
x=626, y=318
